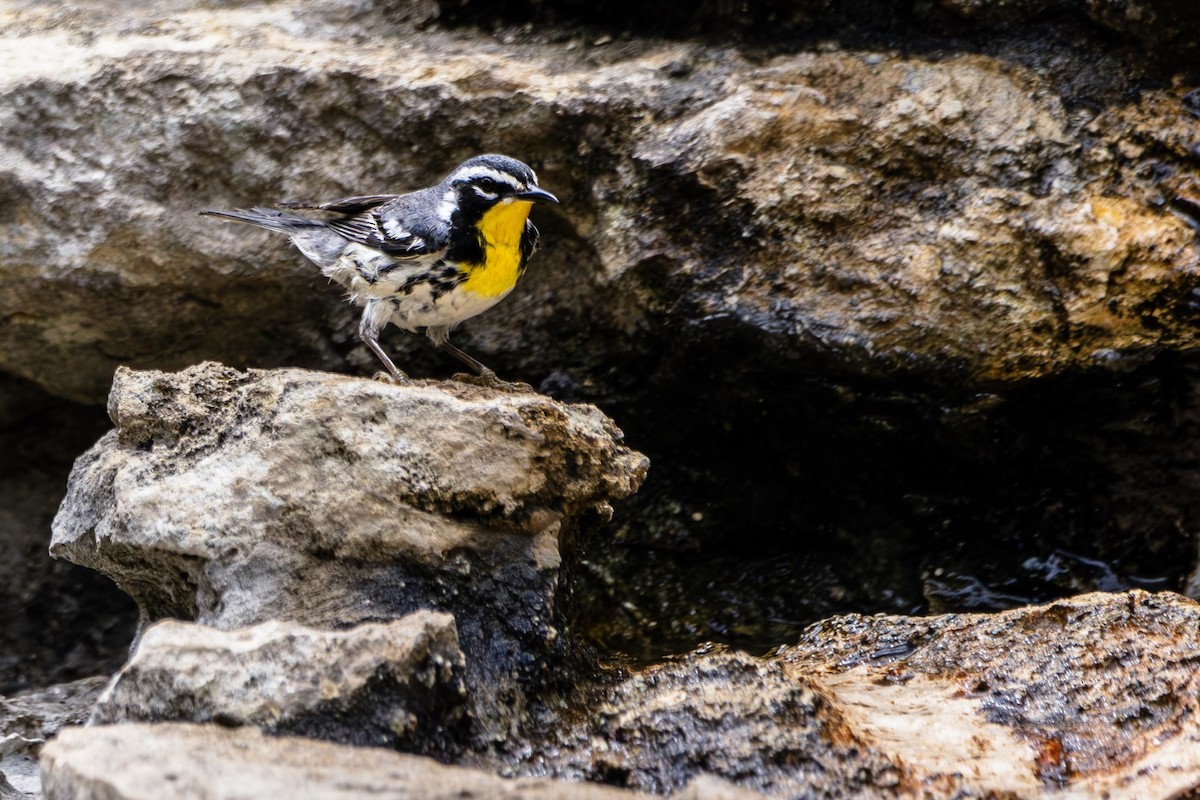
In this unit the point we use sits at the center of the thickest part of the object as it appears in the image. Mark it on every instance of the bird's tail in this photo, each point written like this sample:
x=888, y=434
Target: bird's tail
x=268, y=218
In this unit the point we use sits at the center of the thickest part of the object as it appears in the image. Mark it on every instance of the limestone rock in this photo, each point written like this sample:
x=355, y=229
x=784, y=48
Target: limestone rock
x=233, y=498
x=155, y=762
x=396, y=684
x=899, y=229
x=1089, y=697
x=877, y=210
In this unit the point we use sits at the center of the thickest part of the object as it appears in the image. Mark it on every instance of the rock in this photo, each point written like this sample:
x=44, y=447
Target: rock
x=396, y=684
x=903, y=229
x=1088, y=697
x=875, y=211
x=150, y=762
x=233, y=498
x=918, y=291
x=28, y=719
x=1006, y=11
x=745, y=719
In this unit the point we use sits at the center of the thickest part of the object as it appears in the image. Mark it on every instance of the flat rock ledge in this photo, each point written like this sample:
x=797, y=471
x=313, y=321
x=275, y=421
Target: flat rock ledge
x=232, y=499
x=208, y=762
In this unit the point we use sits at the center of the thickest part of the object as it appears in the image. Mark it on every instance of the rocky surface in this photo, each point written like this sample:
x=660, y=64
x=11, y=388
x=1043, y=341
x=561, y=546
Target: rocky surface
x=935, y=234
x=396, y=684
x=233, y=498
x=141, y=762
x=883, y=212
x=1089, y=697
x=901, y=298
x=1095, y=696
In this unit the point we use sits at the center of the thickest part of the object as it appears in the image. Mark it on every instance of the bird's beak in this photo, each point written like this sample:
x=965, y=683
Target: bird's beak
x=536, y=195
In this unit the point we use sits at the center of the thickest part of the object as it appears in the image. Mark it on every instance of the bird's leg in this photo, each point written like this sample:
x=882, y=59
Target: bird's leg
x=440, y=336
x=371, y=337
x=488, y=375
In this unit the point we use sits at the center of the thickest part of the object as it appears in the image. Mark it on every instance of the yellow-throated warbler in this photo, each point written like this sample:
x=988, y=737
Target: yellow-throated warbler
x=428, y=259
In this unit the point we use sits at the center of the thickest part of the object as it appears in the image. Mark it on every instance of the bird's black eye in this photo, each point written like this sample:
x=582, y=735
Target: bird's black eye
x=490, y=186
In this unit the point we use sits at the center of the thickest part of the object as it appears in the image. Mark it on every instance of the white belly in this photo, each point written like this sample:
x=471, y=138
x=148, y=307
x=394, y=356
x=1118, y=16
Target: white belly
x=386, y=287
x=450, y=309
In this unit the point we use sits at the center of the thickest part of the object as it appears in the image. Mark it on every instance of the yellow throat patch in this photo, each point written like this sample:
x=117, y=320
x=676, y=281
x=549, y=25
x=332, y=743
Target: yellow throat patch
x=501, y=227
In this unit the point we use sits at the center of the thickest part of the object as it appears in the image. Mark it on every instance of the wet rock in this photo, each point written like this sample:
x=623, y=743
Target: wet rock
x=28, y=719
x=396, y=684
x=233, y=498
x=152, y=761
x=1088, y=697
x=742, y=718
x=1006, y=11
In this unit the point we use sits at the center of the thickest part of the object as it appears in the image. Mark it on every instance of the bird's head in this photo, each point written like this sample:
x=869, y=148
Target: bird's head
x=483, y=182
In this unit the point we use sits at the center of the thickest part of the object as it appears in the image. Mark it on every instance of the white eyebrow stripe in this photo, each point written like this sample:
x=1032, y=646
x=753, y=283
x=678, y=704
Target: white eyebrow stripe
x=486, y=172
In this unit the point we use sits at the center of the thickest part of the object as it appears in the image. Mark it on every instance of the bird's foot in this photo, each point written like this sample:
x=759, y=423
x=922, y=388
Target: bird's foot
x=489, y=380
x=396, y=378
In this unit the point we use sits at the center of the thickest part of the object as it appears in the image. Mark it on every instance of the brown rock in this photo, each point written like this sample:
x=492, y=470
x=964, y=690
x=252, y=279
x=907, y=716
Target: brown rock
x=1156, y=23
x=892, y=212
x=1089, y=697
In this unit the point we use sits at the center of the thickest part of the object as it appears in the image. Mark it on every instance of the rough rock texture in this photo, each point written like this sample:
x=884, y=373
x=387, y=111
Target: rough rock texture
x=901, y=296
x=27, y=720
x=153, y=762
x=1156, y=23
x=934, y=237
x=1090, y=697
x=396, y=684
x=233, y=498
x=881, y=211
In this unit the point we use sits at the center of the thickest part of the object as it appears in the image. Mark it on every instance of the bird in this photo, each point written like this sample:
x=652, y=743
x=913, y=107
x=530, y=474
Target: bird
x=426, y=259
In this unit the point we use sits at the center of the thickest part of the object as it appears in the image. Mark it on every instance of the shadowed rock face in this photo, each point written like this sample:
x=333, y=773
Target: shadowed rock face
x=61, y=622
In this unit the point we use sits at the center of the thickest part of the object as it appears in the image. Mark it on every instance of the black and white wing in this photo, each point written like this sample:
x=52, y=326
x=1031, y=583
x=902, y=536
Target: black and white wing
x=403, y=226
